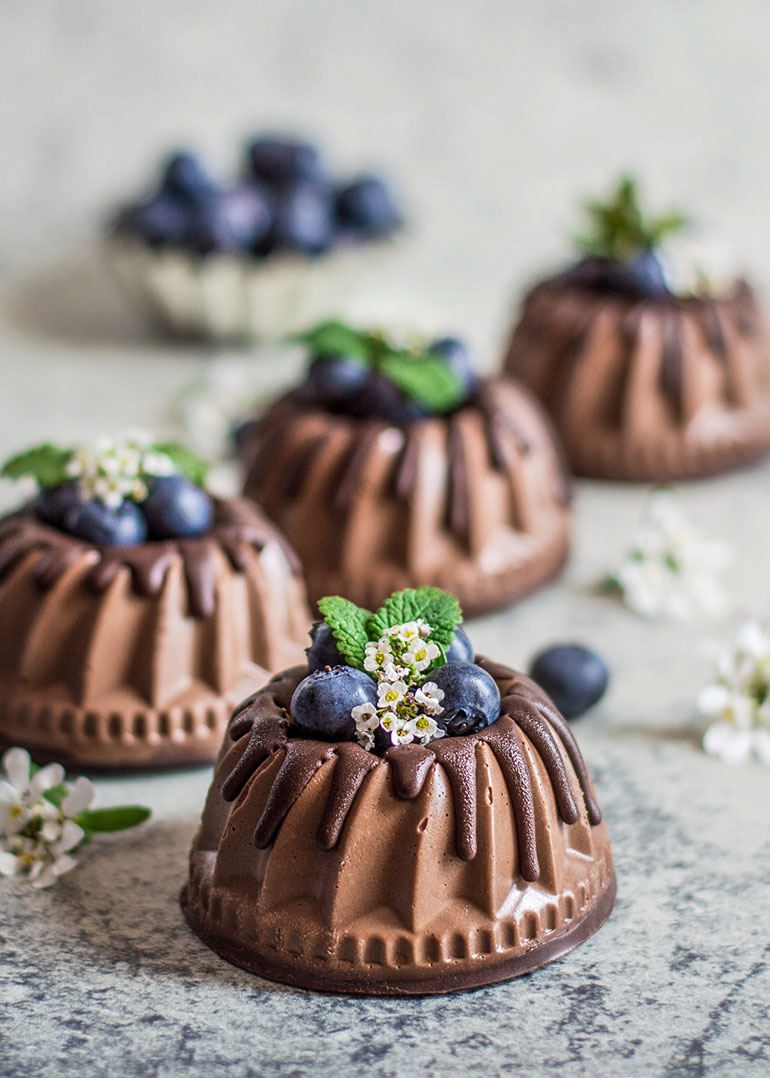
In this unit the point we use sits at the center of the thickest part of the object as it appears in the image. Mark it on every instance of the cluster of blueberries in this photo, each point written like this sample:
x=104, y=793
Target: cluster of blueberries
x=640, y=277
x=285, y=201
x=323, y=701
x=345, y=386
x=175, y=508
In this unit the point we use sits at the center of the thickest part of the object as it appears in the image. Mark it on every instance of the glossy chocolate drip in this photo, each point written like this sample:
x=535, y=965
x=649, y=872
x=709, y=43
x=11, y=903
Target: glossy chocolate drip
x=405, y=474
x=672, y=362
x=458, y=496
x=524, y=708
x=712, y=330
x=353, y=469
x=238, y=527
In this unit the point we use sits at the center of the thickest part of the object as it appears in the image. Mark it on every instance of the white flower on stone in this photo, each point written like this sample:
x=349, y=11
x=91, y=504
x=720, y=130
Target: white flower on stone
x=429, y=696
x=36, y=836
x=739, y=699
x=391, y=693
x=672, y=570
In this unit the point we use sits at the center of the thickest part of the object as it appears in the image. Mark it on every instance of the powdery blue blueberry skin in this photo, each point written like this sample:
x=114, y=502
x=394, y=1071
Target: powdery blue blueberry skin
x=641, y=277
x=471, y=698
x=457, y=358
x=333, y=382
x=323, y=650
x=159, y=221
x=366, y=207
x=573, y=676
x=277, y=160
x=94, y=522
x=379, y=398
x=237, y=220
x=648, y=273
x=185, y=178
x=176, y=508
x=461, y=649
x=302, y=219
x=322, y=703
x=53, y=502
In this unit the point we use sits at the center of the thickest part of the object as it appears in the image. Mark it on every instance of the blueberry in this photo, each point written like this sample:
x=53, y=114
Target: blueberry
x=276, y=160
x=96, y=523
x=457, y=358
x=379, y=398
x=366, y=207
x=648, y=274
x=322, y=703
x=323, y=650
x=333, y=381
x=573, y=676
x=159, y=221
x=185, y=178
x=176, y=508
x=53, y=502
x=461, y=649
x=235, y=220
x=302, y=220
x=471, y=697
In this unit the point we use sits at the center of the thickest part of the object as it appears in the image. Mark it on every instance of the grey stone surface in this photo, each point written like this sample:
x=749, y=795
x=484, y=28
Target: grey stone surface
x=494, y=116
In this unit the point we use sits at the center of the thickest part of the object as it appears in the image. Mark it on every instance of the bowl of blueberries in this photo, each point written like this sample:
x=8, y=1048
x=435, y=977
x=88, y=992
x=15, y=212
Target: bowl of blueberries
x=255, y=257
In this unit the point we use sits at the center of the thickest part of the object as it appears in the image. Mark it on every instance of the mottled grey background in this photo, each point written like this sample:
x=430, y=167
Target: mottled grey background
x=493, y=117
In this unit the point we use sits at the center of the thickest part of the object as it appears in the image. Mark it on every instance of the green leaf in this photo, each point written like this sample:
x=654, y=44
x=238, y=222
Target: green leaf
x=423, y=377
x=348, y=624
x=335, y=338
x=184, y=460
x=438, y=608
x=56, y=794
x=619, y=229
x=119, y=818
x=45, y=463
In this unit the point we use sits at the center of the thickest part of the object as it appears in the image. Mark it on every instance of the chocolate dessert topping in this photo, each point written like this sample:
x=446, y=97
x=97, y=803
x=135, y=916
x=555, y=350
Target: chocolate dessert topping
x=238, y=528
x=263, y=725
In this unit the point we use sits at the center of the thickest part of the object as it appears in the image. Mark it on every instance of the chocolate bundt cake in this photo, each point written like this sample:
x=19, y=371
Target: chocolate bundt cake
x=133, y=653
x=648, y=374
x=458, y=845
x=377, y=489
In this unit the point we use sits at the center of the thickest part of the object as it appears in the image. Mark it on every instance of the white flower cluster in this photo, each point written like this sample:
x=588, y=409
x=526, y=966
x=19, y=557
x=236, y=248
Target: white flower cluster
x=672, y=570
x=37, y=838
x=739, y=699
x=115, y=469
x=696, y=265
x=405, y=709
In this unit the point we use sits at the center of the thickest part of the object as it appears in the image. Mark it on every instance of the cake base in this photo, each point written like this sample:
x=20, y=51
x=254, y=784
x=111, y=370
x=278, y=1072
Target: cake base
x=457, y=975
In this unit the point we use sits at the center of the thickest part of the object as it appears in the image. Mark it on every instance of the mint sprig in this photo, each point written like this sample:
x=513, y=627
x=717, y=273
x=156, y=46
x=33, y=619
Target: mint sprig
x=353, y=627
x=618, y=228
x=419, y=374
x=348, y=624
x=184, y=460
x=47, y=464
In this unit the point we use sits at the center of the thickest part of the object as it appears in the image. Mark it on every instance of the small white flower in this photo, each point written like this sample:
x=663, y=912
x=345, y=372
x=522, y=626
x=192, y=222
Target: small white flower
x=395, y=672
x=421, y=654
x=376, y=655
x=391, y=693
x=426, y=729
x=430, y=696
x=402, y=731
x=694, y=265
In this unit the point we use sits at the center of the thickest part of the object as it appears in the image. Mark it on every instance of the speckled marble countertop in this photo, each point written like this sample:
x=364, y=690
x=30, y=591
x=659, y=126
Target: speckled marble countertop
x=493, y=115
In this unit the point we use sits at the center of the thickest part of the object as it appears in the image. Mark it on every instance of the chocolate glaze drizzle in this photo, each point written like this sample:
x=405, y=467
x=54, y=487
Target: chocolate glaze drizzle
x=238, y=529
x=264, y=719
x=500, y=430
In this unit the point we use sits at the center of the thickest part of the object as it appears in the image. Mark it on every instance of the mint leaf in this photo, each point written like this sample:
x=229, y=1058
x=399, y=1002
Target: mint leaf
x=119, y=818
x=335, y=338
x=619, y=228
x=438, y=608
x=348, y=624
x=423, y=377
x=184, y=460
x=47, y=464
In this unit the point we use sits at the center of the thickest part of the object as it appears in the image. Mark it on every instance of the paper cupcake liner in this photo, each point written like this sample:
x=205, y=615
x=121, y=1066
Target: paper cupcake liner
x=226, y=298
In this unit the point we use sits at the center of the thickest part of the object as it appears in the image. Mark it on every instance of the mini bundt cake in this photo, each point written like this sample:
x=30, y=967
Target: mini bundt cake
x=458, y=843
x=135, y=610
x=651, y=368
x=399, y=467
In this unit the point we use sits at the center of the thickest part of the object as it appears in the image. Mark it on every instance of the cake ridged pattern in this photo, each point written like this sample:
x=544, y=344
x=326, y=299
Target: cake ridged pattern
x=101, y=667
x=647, y=390
x=475, y=504
x=399, y=896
